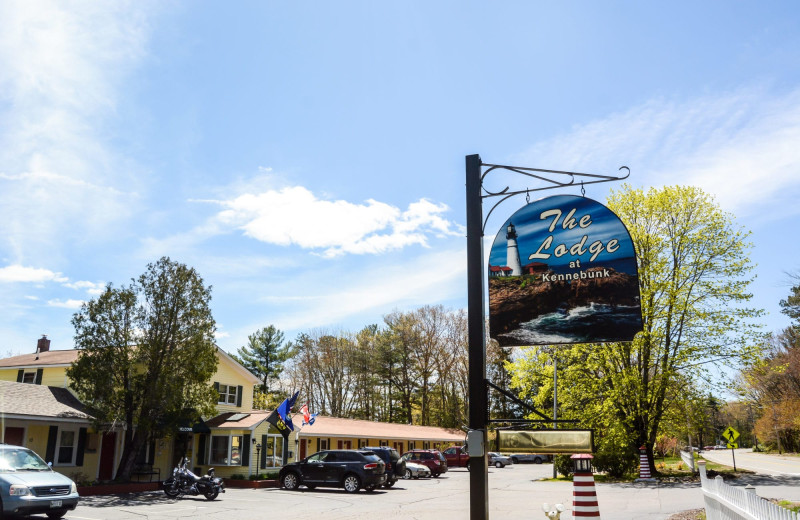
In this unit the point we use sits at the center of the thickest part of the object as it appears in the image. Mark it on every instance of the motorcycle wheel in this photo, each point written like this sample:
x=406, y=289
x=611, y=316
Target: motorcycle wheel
x=211, y=494
x=171, y=489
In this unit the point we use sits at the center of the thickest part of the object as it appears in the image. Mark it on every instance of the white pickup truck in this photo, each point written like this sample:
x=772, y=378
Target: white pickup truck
x=535, y=458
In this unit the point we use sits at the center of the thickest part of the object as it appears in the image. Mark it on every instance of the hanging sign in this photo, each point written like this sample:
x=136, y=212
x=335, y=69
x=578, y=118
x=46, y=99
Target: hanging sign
x=563, y=270
x=545, y=441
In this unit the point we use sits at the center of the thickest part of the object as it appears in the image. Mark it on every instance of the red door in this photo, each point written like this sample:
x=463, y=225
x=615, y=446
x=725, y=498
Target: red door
x=107, y=456
x=14, y=435
x=303, y=448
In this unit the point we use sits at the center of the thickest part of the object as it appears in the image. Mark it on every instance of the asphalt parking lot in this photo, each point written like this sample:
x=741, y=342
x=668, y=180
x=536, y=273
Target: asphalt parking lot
x=515, y=492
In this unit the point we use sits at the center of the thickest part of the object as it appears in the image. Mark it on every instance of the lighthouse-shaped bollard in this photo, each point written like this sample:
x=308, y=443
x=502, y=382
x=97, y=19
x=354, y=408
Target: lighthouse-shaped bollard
x=644, y=467
x=584, y=496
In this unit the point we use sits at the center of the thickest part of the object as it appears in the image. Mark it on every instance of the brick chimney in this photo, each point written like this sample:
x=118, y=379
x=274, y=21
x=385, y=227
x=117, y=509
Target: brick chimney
x=43, y=345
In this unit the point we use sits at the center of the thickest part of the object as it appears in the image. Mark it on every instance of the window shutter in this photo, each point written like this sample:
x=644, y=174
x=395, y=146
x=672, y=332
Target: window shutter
x=263, y=452
x=246, y=451
x=38, y=380
x=81, y=447
x=20, y=375
x=239, y=395
x=52, y=435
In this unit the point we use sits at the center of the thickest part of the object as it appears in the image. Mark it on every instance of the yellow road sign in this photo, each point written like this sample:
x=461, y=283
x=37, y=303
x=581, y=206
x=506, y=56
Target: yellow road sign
x=730, y=434
x=733, y=444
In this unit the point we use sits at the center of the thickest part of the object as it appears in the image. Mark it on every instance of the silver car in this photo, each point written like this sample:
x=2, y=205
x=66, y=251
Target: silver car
x=29, y=486
x=416, y=470
x=498, y=461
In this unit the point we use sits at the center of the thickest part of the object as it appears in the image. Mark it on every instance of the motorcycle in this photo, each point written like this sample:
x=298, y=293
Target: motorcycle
x=184, y=482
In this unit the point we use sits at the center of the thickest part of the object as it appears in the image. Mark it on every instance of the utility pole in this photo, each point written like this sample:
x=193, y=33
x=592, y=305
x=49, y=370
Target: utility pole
x=555, y=402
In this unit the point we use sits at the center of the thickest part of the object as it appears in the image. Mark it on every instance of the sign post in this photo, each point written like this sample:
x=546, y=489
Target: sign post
x=730, y=434
x=478, y=384
x=478, y=396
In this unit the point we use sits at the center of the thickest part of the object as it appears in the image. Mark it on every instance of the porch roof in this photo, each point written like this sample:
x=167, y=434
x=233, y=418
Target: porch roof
x=361, y=429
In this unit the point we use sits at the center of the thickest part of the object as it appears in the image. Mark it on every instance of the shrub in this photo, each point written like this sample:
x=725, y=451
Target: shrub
x=237, y=476
x=615, y=464
x=563, y=464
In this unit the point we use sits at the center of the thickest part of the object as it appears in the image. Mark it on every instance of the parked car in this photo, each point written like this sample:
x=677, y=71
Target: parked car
x=29, y=486
x=415, y=471
x=395, y=468
x=457, y=457
x=348, y=469
x=708, y=448
x=431, y=458
x=535, y=458
x=499, y=461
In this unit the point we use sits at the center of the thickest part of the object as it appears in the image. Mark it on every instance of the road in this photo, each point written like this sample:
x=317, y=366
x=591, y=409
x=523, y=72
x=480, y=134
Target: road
x=515, y=493
x=764, y=464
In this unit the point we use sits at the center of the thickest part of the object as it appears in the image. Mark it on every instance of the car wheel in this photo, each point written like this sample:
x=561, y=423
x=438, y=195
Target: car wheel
x=435, y=475
x=498, y=464
x=351, y=483
x=537, y=460
x=291, y=481
x=56, y=514
x=407, y=475
x=389, y=483
x=515, y=460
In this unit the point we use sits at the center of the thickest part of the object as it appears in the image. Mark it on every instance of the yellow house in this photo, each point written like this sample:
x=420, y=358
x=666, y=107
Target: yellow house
x=63, y=435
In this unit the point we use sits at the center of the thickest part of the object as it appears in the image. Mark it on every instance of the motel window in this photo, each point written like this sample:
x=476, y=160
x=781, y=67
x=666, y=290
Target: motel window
x=67, y=447
x=272, y=456
x=226, y=450
x=323, y=444
x=227, y=394
x=426, y=445
x=411, y=445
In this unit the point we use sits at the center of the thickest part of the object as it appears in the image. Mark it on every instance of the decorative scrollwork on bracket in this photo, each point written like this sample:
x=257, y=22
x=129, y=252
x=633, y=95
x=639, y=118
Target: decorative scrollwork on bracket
x=505, y=194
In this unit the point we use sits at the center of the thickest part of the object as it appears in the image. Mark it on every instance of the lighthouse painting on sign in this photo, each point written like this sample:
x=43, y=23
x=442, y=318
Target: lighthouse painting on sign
x=563, y=270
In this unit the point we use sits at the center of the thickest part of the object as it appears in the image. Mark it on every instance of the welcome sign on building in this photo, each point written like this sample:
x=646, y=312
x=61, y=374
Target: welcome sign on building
x=563, y=270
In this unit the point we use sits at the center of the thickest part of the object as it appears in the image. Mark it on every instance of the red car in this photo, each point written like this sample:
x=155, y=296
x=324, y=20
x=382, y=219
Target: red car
x=433, y=459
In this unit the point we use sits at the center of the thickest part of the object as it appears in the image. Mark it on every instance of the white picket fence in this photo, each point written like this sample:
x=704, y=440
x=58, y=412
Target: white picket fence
x=688, y=459
x=724, y=502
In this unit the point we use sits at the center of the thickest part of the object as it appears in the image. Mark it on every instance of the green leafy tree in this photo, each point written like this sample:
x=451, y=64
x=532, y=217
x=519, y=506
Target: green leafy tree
x=147, y=355
x=265, y=354
x=694, y=271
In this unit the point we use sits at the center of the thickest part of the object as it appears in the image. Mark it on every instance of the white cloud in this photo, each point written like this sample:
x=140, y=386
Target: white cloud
x=294, y=215
x=62, y=65
x=65, y=304
x=19, y=273
x=92, y=288
x=740, y=146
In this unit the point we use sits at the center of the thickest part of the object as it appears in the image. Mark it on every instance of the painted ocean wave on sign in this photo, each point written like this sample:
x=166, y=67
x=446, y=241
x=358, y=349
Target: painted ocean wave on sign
x=595, y=323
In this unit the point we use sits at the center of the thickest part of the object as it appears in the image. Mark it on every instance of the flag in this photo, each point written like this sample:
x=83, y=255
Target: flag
x=275, y=420
x=280, y=417
x=308, y=418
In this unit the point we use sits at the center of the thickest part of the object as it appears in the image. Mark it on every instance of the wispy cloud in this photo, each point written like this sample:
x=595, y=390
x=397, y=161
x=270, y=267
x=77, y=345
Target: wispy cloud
x=65, y=304
x=92, y=288
x=19, y=273
x=740, y=146
x=295, y=216
x=61, y=69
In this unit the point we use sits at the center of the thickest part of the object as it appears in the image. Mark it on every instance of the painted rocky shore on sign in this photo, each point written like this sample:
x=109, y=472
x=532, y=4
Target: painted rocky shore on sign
x=520, y=299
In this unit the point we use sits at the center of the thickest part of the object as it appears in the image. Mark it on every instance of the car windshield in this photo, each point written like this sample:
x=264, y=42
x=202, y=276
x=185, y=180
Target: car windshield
x=21, y=459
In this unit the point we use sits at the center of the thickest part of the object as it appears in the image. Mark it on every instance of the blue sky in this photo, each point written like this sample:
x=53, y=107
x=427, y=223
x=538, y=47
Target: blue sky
x=308, y=158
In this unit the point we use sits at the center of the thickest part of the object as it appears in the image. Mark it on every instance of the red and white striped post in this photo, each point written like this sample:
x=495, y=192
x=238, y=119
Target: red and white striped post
x=584, y=496
x=644, y=467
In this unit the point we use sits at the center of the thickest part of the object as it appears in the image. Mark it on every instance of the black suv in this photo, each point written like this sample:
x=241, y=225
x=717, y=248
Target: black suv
x=349, y=469
x=395, y=466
